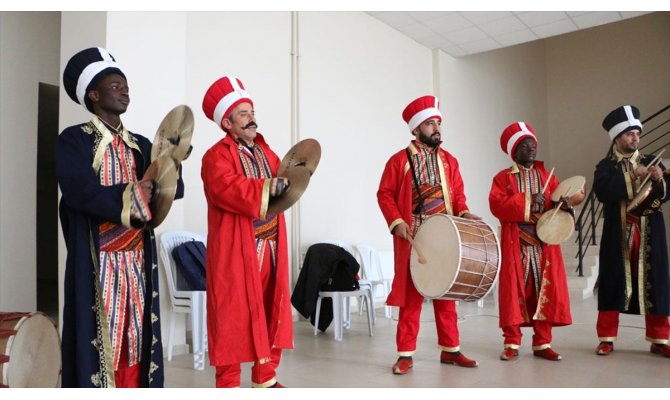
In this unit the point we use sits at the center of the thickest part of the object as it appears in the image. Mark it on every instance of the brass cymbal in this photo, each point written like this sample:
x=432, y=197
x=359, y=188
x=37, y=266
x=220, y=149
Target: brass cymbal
x=164, y=173
x=305, y=153
x=174, y=134
x=298, y=178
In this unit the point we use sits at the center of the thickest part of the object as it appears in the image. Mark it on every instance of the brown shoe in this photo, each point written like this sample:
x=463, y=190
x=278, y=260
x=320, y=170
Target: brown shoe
x=402, y=366
x=548, y=354
x=662, y=349
x=509, y=354
x=457, y=358
x=604, y=348
x=277, y=385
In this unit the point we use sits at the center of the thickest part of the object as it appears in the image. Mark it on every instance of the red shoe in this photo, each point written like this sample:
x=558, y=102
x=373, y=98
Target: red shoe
x=402, y=366
x=509, y=354
x=277, y=385
x=547, y=354
x=662, y=349
x=604, y=348
x=457, y=358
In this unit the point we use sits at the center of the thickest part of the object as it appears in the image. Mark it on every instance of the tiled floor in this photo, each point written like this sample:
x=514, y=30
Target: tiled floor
x=363, y=361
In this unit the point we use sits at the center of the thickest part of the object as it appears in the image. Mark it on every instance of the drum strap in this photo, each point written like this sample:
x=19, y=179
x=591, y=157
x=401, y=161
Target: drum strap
x=419, y=206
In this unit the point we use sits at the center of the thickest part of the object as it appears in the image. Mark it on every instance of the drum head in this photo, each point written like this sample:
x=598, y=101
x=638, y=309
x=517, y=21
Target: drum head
x=568, y=187
x=439, y=241
x=556, y=229
x=35, y=359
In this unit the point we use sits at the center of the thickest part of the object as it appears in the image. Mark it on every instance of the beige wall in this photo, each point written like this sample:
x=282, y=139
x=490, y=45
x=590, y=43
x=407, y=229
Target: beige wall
x=482, y=94
x=28, y=55
x=354, y=84
x=591, y=72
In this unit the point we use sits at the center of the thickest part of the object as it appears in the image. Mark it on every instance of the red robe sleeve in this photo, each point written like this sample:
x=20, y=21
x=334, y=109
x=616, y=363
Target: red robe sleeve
x=231, y=191
x=388, y=194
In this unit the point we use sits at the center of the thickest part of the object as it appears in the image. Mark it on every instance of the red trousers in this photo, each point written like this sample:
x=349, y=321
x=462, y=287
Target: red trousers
x=446, y=321
x=541, y=329
x=262, y=374
x=126, y=376
x=657, y=327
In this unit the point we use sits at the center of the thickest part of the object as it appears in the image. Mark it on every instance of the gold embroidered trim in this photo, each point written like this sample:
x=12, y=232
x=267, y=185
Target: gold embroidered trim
x=265, y=199
x=625, y=248
x=542, y=299
x=106, y=359
x=445, y=185
x=629, y=185
x=395, y=223
x=641, y=266
x=449, y=349
x=526, y=210
x=127, y=203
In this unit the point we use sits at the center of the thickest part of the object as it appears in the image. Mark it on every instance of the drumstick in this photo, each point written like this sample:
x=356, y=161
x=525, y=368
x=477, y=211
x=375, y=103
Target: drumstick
x=651, y=164
x=422, y=259
x=558, y=206
x=548, y=179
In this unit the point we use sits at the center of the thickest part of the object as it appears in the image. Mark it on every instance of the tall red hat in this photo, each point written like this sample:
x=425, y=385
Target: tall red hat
x=514, y=134
x=222, y=97
x=421, y=110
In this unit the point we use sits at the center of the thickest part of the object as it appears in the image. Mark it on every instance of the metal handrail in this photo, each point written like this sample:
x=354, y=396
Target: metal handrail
x=592, y=210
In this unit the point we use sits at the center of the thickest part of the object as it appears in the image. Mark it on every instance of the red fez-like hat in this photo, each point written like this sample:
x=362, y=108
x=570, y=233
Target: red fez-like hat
x=514, y=134
x=421, y=110
x=222, y=97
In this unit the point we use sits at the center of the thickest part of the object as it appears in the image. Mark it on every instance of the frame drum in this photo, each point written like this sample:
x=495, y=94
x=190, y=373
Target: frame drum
x=555, y=226
x=29, y=350
x=573, y=188
x=462, y=258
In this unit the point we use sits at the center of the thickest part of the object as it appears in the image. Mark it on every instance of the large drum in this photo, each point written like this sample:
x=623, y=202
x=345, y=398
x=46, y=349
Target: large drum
x=29, y=350
x=462, y=258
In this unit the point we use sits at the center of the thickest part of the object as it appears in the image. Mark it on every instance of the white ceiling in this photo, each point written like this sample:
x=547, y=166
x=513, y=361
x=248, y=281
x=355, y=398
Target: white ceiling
x=461, y=33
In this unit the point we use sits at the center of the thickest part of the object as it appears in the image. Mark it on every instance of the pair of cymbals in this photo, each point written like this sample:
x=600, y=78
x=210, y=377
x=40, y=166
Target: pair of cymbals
x=174, y=134
x=297, y=166
x=163, y=171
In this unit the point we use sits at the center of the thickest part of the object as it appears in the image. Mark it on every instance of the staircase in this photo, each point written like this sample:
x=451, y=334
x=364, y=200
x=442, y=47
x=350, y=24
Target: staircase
x=580, y=287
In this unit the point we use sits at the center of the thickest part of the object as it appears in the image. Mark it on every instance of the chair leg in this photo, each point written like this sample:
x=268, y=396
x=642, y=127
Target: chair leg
x=346, y=317
x=337, y=316
x=196, y=330
x=170, y=343
x=316, y=319
x=371, y=306
x=371, y=311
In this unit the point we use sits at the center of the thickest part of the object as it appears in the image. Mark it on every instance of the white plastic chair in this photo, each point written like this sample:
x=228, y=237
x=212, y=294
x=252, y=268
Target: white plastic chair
x=341, y=309
x=372, y=272
x=192, y=303
x=364, y=293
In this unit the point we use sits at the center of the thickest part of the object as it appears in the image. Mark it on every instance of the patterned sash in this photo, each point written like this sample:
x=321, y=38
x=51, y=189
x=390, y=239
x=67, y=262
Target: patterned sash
x=122, y=278
x=256, y=165
x=429, y=198
x=529, y=180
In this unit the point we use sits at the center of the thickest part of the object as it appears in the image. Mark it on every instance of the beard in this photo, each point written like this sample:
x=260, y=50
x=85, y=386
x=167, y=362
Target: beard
x=432, y=140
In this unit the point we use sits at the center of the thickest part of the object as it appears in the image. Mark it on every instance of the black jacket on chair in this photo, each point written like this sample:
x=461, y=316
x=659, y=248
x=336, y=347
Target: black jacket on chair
x=327, y=267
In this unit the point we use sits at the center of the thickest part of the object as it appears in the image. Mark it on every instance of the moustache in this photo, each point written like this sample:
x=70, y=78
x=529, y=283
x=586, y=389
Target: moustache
x=249, y=125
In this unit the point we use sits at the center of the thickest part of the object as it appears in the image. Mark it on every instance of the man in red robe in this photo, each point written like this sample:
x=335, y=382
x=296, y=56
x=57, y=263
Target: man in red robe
x=248, y=302
x=418, y=181
x=533, y=290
